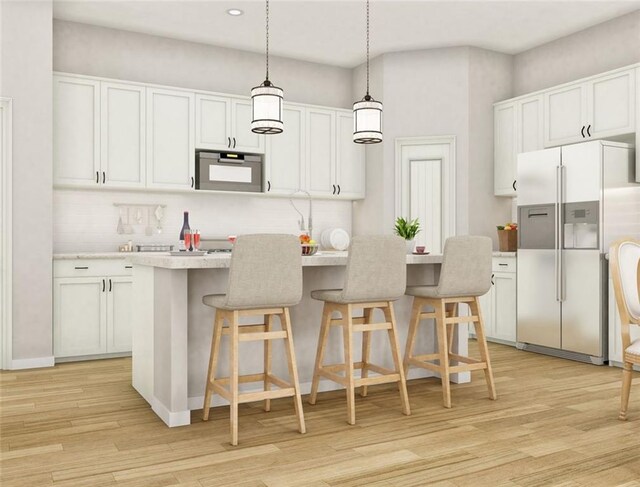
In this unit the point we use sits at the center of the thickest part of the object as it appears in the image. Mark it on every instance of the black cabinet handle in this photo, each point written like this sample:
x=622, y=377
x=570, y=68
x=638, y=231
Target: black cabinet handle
x=514, y=185
x=492, y=283
x=192, y=182
x=109, y=285
x=589, y=128
x=229, y=142
x=234, y=142
x=103, y=177
x=582, y=131
x=81, y=267
x=268, y=186
x=503, y=265
x=97, y=177
x=128, y=267
x=339, y=189
x=104, y=284
x=334, y=188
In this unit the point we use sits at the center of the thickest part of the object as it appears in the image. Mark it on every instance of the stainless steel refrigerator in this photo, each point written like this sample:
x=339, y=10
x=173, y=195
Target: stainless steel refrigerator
x=571, y=203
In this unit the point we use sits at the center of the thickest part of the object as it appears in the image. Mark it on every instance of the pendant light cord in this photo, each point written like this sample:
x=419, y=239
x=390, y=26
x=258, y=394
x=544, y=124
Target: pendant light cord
x=367, y=47
x=267, y=78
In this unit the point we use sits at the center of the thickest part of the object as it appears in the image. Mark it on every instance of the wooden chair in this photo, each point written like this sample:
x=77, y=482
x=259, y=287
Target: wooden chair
x=375, y=277
x=624, y=258
x=465, y=275
x=265, y=279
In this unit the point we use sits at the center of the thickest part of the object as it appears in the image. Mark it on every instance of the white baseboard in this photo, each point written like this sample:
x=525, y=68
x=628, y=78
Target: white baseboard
x=32, y=363
x=195, y=402
x=178, y=418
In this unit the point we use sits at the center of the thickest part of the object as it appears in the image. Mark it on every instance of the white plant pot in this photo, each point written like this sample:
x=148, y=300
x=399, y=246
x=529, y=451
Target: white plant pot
x=411, y=245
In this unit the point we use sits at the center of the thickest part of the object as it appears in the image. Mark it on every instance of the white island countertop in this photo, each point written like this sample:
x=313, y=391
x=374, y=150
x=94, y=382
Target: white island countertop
x=222, y=261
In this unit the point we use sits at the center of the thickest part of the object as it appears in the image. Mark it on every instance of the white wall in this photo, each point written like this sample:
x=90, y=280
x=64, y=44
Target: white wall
x=98, y=51
x=25, y=76
x=600, y=48
x=86, y=221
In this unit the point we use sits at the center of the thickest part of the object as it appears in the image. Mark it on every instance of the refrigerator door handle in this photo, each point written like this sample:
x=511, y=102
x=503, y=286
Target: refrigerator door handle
x=556, y=245
x=559, y=232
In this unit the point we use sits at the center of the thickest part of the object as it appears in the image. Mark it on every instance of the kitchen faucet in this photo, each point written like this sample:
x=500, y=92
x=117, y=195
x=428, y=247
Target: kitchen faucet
x=309, y=227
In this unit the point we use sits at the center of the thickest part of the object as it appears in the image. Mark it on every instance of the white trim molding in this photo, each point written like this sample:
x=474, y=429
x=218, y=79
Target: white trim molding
x=32, y=363
x=6, y=263
x=428, y=147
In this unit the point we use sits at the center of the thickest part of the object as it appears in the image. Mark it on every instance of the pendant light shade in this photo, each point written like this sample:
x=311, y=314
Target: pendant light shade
x=266, y=101
x=367, y=113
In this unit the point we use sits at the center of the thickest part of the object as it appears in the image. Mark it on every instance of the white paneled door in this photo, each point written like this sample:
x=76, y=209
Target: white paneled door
x=285, y=158
x=566, y=115
x=426, y=202
x=505, y=128
x=244, y=140
x=213, y=122
x=122, y=135
x=170, y=139
x=76, y=131
x=321, y=151
x=612, y=104
x=119, y=314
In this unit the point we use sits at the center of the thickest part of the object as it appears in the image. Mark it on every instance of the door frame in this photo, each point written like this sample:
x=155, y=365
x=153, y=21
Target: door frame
x=6, y=262
x=447, y=153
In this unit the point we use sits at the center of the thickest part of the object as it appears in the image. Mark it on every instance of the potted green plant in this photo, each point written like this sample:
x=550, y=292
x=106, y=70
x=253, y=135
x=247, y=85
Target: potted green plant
x=407, y=229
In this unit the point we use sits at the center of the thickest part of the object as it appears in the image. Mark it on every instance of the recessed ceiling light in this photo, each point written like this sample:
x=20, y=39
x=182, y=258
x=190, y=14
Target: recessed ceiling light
x=235, y=12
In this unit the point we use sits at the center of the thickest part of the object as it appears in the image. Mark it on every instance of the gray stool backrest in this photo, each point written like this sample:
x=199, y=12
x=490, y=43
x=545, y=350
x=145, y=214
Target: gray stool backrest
x=466, y=267
x=376, y=268
x=266, y=270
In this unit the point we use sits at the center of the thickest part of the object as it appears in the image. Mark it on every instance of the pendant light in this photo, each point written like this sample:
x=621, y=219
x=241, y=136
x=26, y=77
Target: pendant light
x=367, y=113
x=266, y=101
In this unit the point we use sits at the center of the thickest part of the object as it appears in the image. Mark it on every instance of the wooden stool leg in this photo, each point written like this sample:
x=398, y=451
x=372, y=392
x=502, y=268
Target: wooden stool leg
x=626, y=389
x=484, y=349
x=233, y=377
x=395, y=353
x=285, y=320
x=414, y=322
x=347, y=332
x=441, y=332
x=325, y=326
x=268, y=322
x=451, y=312
x=218, y=321
x=366, y=348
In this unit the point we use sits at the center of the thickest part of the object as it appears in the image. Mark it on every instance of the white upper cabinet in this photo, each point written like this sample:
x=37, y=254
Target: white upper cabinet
x=244, y=140
x=518, y=127
x=76, y=131
x=350, y=161
x=566, y=114
x=321, y=151
x=285, y=157
x=612, y=104
x=213, y=122
x=119, y=314
x=122, y=135
x=170, y=139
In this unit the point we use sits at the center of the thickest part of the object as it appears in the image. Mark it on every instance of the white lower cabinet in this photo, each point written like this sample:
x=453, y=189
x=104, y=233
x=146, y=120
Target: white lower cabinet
x=92, y=313
x=498, y=306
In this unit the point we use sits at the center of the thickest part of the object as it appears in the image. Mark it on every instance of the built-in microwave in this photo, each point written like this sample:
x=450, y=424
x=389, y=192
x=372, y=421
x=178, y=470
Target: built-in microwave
x=228, y=171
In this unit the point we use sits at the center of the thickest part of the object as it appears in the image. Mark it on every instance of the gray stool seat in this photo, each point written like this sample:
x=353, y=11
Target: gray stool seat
x=375, y=276
x=434, y=292
x=219, y=301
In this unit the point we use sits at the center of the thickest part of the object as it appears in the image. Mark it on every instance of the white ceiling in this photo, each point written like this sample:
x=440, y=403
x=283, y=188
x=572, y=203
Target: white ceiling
x=333, y=32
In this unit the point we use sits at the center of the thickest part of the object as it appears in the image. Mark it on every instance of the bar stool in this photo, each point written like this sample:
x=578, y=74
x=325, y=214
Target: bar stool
x=265, y=278
x=465, y=275
x=375, y=276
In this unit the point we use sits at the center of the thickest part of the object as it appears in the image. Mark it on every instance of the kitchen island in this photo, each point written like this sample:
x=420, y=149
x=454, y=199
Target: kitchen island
x=172, y=328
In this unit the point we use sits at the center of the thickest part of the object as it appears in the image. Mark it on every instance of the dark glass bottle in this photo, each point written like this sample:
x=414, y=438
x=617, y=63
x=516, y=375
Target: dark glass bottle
x=185, y=226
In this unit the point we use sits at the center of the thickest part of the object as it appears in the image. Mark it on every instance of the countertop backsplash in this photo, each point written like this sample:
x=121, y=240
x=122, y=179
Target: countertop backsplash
x=86, y=221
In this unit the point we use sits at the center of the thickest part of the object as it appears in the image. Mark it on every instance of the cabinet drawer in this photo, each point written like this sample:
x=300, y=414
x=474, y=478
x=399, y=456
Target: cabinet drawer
x=504, y=264
x=91, y=268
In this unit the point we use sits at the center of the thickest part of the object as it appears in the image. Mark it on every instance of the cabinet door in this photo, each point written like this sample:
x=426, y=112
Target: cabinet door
x=612, y=104
x=122, y=135
x=79, y=318
x=504, y=306
x=213, y=122
x=350, y=166
x=243, y=139
x=565, y=115
x=530, y=125
x=285, y=154
x=119, y=314
x=76, y=131
x=504, y=123
x=321, y=151
x=170, y=139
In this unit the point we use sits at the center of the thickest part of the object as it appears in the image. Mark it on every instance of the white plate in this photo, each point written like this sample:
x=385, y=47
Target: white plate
x=335, y=238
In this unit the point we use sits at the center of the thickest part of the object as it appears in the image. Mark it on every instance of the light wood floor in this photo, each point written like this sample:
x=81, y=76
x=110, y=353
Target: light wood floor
x=554, y=423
